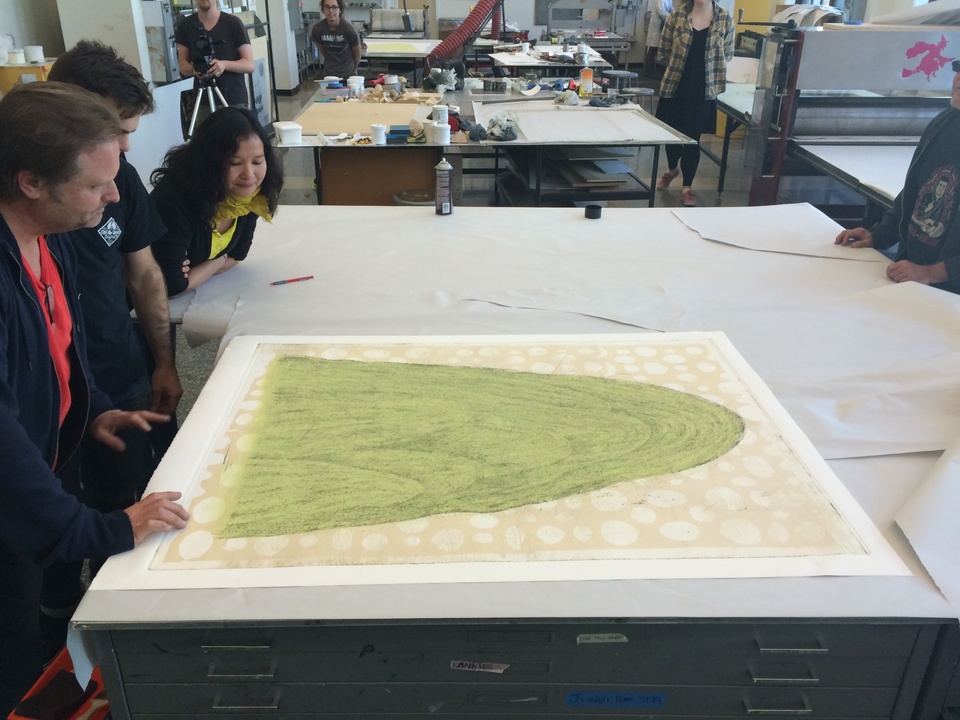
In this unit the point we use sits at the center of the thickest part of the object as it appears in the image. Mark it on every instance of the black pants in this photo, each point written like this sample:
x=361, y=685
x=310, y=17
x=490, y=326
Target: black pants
x=687, y=157
x=20, y=661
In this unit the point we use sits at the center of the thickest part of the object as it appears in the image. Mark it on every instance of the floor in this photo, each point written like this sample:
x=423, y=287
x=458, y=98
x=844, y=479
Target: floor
x=195, y=364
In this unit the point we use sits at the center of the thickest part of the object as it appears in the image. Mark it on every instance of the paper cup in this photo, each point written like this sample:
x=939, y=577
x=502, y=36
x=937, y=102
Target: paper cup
x=378, y=134
x=429, y=130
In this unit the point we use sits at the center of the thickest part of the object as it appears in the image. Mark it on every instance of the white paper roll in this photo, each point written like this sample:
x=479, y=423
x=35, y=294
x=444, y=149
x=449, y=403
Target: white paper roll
x=15, y=56
x=33, y=53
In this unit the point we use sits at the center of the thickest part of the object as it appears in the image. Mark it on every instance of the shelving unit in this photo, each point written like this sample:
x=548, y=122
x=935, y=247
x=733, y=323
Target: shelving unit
x=550, y=175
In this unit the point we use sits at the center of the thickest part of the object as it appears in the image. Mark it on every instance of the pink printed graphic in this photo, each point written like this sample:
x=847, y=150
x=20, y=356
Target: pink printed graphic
x=931, y=59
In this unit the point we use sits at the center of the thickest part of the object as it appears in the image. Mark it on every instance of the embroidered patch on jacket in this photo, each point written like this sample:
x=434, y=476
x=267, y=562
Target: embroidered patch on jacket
x=110, y=232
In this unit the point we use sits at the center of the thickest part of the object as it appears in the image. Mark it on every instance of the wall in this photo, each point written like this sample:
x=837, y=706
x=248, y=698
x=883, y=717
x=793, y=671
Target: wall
x=517, y=12
x=118, y=23
x=32, y=22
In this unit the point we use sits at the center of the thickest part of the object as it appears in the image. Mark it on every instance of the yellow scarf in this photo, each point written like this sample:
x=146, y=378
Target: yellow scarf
x=235, y=206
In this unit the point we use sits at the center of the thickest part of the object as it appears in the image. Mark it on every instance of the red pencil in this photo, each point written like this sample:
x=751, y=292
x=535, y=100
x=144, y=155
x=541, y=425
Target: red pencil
x=291, y=280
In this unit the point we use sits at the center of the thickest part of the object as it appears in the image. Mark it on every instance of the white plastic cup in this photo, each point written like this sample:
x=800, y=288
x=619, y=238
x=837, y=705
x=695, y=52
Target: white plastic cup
x=524, y=47
x=440, y=114
x=442, y=134
x=378, y=134
x=429, y=130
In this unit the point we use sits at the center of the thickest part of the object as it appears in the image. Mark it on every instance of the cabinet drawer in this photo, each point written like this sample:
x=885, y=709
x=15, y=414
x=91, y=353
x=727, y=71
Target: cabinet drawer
x=376, y=666
x=471, y=700
x=586, y=640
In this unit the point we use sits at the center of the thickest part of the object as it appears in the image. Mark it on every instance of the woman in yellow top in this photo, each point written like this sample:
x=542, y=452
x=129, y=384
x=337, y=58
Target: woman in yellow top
x=210, y=193
x=695, y=45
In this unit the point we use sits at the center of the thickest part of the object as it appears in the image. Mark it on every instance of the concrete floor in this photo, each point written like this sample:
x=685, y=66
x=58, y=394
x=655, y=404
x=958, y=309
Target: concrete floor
x=195, y=364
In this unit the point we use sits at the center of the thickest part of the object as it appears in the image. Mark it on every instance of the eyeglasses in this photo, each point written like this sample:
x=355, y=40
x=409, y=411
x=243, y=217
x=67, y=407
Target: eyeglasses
x=331, y=8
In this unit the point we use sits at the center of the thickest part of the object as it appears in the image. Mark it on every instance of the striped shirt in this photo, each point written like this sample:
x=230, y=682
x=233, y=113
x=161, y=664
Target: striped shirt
x=675, y=44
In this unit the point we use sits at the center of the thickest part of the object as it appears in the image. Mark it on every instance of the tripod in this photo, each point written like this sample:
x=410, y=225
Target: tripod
x=210, y=86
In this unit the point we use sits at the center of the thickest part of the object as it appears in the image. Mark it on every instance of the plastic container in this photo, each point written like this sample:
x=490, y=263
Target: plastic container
x=586, y=82
x=444, y=191
x=290, y=133
x=355, y=85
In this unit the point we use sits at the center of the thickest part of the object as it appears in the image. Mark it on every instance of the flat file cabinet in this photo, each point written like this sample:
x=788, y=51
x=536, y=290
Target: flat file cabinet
x=628, y=668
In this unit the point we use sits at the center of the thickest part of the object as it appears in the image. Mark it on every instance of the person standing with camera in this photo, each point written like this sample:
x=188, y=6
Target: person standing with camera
x=213, y=45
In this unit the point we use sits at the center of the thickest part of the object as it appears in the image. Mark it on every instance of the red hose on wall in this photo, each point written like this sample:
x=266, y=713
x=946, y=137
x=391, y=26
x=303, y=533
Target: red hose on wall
x=467, y=28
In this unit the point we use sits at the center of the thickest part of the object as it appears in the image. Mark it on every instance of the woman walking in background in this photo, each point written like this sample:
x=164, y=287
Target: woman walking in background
x=696, y=42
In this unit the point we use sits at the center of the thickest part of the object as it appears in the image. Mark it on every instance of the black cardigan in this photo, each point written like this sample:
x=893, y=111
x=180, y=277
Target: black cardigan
x=188, y=236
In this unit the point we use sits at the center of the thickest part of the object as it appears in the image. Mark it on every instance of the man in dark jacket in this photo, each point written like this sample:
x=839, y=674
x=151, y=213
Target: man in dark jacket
x=59, y=154
x=924, y=216
x=114, y=260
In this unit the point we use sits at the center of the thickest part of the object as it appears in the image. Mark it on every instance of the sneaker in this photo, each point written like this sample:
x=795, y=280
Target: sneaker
x=688, y=198
x=664, y=182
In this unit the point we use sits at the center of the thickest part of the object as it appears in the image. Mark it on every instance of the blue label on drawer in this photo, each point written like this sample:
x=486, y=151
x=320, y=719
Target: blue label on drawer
x=587, y=698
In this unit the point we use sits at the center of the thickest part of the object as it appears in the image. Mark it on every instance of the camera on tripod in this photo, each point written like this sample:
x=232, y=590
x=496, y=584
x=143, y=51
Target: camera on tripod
x=203, y=50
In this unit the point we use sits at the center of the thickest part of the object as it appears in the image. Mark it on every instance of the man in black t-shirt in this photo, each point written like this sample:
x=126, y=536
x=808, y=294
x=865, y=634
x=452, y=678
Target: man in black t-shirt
x=925, y=217
x=232, y=53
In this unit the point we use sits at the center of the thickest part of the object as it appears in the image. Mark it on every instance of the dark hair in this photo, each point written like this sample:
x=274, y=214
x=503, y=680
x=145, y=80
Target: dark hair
x=44, y=127
x=97, y=68
x=198, y=168
x=339, y=3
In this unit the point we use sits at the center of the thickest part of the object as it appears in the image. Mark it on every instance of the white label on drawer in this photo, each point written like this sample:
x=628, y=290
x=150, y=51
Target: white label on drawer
x=473, y=666
x=587, y=638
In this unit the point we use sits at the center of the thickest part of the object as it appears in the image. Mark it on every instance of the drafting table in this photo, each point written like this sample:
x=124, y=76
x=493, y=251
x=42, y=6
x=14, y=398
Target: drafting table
x=547, y=57
x=411, y=52
x=866, y=367
x=538, y=141
x=389, y=48
x=553, y=138
x=874, y=167
x=363, y=174
x=736, y=104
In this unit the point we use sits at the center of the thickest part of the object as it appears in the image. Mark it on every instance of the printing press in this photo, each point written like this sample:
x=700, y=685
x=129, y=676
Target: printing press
x=839, y=109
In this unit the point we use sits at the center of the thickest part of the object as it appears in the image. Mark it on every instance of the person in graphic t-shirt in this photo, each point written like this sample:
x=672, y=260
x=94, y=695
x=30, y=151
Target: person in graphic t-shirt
x=336, y=40
x=923, y=219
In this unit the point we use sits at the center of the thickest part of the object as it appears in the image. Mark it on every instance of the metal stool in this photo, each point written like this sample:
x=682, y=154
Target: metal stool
x=642, y=96
x=618, y=76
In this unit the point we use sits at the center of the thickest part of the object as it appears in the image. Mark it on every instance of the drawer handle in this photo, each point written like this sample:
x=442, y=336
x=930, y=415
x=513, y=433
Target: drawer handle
x=805, y=708
x=248, y=668
x=222, y=648
x=780, y=677
x=810, y=649
x=246, y=698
